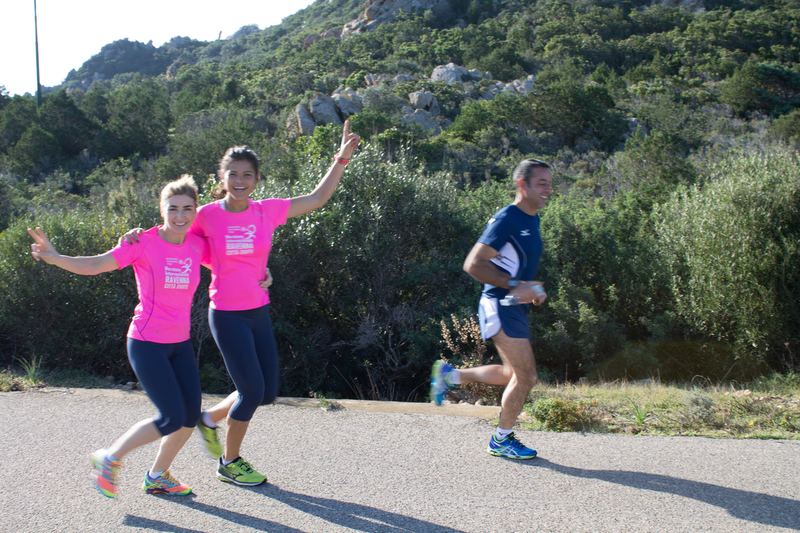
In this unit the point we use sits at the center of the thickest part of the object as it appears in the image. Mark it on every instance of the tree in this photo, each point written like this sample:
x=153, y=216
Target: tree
x=35, y=151
x=68, y=124
x=17, y=116
x=139, y=119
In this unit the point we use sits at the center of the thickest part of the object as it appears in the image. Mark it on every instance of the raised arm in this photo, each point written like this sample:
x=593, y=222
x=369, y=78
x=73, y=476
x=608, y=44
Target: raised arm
x=43, y=250
x=322, y=193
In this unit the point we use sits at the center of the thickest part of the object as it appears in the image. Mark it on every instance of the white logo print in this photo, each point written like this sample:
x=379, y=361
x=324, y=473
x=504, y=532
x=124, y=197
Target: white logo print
x=176, y=273
x=525, y=233
x=239, y=240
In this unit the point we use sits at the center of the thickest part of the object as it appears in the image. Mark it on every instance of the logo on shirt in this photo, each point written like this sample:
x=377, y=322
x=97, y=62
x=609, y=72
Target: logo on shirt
x=525, y=233
x=176, y=273
x=240, y=240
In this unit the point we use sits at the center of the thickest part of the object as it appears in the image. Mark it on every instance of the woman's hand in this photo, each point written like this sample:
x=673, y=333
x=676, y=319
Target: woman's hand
x=349, y=141
x=132, y=236
x=42, y=248
x=267, y=282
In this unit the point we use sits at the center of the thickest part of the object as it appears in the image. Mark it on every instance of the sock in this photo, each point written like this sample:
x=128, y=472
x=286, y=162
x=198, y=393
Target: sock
x=207, y=420
x=453, y=377
x=110, y=457
x=225, y=461
x=501, y=434
x=155, y=475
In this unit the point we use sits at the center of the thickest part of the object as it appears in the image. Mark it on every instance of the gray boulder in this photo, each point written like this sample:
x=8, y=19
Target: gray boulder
x=347, y=106
x=449, y=73
x=425, y=100
x=324, y=110
x=305, y=121
x=424, y=119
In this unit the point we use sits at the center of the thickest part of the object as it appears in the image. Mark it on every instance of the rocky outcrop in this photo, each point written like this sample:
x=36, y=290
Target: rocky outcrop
x=378, y=12
x=426, y=101
x=305, y=121
x=450, y=74
x=348, y=102
x=324, y=110
x=172, y=70
x=314, y=37
x=424, y=119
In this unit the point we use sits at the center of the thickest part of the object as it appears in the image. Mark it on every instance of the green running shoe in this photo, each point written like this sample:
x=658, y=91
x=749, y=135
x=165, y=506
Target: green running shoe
x=239, y=472
x=208, y=436
x=164, y=484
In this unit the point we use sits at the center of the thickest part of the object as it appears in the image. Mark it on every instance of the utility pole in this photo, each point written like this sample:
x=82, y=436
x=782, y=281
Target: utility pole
x=38, y=84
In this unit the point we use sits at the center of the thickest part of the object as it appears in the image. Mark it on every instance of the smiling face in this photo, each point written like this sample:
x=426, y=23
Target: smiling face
x=239, y=180
x=179, y=212
x=533, y=192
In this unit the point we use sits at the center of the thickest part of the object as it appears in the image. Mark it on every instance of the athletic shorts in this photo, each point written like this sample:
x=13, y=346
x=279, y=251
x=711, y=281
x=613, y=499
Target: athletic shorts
x=513, y=319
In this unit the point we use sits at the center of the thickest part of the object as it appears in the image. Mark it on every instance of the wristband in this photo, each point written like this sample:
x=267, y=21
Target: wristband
x=340, y=160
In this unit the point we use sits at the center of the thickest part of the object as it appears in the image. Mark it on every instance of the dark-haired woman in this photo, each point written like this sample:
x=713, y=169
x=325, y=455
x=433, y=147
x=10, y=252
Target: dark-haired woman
x=239, y=231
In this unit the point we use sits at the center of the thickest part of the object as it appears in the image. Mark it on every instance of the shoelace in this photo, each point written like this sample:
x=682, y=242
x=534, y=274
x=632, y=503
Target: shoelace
x=244, y=465
x=109, y=469
x=514, y=443
x=166, y=481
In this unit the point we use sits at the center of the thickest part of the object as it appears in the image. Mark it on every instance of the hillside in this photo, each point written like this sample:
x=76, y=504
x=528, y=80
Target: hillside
x=659, y=118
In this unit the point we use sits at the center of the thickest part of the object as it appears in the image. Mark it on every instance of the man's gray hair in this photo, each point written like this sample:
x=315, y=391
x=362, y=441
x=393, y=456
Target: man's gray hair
x=524, y=169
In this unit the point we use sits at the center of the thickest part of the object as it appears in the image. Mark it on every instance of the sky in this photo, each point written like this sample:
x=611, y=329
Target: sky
x=71, y=32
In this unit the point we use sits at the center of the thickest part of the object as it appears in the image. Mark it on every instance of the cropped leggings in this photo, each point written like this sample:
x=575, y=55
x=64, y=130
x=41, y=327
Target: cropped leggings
x=248, y=346
x=168, y=373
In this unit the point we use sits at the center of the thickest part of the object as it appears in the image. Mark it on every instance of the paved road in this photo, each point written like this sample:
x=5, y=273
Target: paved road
x=387, y=472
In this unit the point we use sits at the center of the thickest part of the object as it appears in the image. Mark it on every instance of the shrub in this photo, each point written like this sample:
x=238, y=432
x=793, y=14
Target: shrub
x=732, y=250
x=558, y=414
x=71, y=321
x=362, y=283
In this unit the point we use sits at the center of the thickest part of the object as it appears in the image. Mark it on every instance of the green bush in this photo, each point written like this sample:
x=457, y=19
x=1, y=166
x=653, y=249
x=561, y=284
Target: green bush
x=71, y=321
x=557, y=414
x=363, y=282
x=732, y=250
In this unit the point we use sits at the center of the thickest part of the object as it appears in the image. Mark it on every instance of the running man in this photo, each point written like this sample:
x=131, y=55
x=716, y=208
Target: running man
x=506, y=259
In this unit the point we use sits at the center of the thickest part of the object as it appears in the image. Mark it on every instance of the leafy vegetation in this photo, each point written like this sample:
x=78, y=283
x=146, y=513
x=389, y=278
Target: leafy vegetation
x=670, y=241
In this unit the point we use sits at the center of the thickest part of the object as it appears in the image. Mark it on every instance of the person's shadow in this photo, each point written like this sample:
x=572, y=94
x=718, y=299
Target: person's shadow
x=349, y=515
x=751, y=506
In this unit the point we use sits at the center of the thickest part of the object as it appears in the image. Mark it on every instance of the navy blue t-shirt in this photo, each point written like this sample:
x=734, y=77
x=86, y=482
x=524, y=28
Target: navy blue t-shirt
x=515, y=235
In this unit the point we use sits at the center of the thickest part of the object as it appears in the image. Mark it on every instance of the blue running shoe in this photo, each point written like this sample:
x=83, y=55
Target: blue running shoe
x=510, y=447
x=439, y=382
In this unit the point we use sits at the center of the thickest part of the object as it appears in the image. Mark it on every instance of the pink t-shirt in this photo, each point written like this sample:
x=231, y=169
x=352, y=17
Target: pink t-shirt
x=240, y=245
x=166, y=277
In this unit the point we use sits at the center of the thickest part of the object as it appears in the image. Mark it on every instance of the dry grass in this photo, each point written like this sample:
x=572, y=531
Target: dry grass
x=766, y=408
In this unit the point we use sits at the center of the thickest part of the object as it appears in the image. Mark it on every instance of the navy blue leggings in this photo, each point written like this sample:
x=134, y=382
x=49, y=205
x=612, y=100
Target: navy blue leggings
x=168, y=373
x=248, y=346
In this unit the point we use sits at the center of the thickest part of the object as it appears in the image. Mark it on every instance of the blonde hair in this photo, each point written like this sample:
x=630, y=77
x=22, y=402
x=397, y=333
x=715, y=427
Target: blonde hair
x=183, y=186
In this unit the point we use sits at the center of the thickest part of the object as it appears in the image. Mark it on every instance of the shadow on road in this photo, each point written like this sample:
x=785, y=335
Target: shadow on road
x=743, y=504
x=349, y=515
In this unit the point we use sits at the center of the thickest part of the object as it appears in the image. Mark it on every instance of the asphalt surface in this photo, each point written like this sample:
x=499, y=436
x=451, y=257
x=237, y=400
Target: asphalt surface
x=387, y=468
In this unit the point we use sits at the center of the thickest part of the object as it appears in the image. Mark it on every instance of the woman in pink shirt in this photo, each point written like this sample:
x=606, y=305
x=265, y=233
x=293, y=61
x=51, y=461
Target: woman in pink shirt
x=166, y=264
x=239, y=231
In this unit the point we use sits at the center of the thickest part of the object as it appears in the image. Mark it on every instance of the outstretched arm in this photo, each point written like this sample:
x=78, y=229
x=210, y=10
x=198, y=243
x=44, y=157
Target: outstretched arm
x=317, y=198
x=43, y=250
